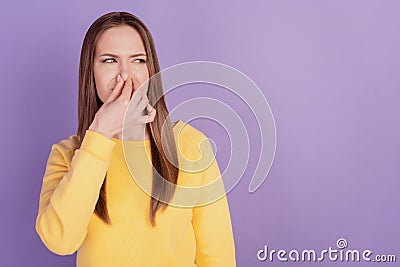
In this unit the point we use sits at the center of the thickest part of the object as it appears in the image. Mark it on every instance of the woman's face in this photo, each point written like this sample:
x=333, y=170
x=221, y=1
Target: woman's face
x=119, y=50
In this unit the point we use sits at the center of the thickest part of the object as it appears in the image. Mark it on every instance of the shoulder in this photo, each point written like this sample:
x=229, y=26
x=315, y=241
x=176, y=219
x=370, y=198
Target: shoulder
x=187, y=132
x=65, y=148
x=190, y=140
x=67, y=144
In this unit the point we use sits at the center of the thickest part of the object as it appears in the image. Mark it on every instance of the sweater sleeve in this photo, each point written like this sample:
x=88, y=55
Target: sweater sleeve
x=212, y=222
x=69, y=194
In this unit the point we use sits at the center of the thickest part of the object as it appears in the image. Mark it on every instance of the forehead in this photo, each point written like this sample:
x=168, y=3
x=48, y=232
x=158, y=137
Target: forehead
x=120, y=40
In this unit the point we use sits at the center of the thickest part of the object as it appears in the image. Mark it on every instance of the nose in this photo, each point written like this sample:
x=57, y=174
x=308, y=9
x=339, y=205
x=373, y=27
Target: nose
x=124, y=75
x=124, y=71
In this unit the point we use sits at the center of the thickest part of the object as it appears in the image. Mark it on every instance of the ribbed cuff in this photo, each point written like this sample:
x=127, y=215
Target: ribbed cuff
x=98, y=145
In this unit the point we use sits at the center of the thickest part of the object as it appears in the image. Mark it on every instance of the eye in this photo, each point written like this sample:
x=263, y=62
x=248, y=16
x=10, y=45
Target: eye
x=107, y=60
x=140, y=60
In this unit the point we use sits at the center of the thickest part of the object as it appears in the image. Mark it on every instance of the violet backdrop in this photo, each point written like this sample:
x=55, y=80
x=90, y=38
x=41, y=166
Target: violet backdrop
x=329, y=70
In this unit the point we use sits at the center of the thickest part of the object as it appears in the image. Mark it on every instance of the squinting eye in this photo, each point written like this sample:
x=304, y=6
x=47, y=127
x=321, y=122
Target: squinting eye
x=107, y=59
x=141, y=60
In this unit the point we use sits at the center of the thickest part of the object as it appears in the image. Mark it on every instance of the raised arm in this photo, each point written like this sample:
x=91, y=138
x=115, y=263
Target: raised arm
x=69, y=194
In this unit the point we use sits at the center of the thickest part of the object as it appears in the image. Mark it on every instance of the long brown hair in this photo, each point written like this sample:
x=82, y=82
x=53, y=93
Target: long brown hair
x=164, y=157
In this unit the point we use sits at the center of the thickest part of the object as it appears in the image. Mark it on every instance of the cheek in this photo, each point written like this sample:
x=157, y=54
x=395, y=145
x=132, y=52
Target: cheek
x=104, y=77
x=142, y=75
x=102, y=85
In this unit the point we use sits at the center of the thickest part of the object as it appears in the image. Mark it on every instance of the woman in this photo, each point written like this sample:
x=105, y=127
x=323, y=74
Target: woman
x=89, y=202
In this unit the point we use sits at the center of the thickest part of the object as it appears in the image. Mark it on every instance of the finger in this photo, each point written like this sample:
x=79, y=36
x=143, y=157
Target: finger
x=145, y=87
x=117, y=89
x=152, y=115
x=148, y=118
x=137, y=85
x=149, y=108
x=127, y=90
x=143, y=119
x=137, y=96
x=142, y=104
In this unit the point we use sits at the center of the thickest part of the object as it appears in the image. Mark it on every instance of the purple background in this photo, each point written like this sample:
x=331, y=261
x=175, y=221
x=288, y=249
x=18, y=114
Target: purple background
x=329, y=69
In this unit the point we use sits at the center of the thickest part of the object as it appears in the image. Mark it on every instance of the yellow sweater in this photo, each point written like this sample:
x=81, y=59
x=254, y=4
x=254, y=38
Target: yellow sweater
x=190, y=236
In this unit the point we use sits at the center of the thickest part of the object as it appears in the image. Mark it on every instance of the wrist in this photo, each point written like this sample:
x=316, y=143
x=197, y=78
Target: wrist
x=94, y=127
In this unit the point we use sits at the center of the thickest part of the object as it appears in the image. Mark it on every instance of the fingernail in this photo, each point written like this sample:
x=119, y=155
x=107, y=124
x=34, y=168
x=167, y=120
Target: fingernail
x=118, y=78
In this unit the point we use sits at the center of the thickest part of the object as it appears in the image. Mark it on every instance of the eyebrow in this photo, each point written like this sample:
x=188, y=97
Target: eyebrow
x=112, y=55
